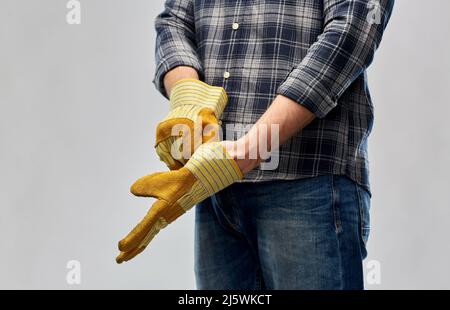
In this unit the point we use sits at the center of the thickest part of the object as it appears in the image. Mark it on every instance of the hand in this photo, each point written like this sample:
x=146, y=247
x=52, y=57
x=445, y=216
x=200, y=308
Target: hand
x=195, y=108
x=241, y=151
x=209, y=170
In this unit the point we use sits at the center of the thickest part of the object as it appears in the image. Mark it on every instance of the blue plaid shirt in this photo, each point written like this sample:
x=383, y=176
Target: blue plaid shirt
x=314, y=52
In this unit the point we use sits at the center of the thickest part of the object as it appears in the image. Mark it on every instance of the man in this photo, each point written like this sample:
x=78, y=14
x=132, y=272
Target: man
x=297, y=64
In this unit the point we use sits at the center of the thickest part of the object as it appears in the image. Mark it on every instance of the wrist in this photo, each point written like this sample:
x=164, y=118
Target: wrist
x=243, y=154
x=176, y=74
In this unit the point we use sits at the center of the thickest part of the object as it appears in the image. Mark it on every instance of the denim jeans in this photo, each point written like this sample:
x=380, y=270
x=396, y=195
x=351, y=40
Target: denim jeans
x=302, y=234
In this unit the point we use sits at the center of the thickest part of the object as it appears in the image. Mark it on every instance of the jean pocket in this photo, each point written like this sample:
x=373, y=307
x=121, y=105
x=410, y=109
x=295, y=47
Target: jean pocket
x=364, y=214
x=224, y=211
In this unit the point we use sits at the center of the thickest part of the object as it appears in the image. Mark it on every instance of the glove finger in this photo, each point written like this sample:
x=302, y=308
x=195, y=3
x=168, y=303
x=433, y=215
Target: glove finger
x=210, y=126
x=148, y=186
x=126, y=256
x=164, y=151
x=168, y=186
x=150, y=224
x=175, y=132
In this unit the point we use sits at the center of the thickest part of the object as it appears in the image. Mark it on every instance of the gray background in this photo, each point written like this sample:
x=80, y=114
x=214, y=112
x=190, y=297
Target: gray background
x=77, y=119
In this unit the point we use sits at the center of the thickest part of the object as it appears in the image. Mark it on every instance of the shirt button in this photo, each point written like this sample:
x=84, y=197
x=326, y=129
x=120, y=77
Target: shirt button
x=226, y=74
x=235, y=26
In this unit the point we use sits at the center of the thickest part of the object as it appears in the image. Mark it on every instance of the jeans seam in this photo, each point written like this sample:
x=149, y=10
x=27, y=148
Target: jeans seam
x=335, y=206
x=338, y=225
x=258, y=279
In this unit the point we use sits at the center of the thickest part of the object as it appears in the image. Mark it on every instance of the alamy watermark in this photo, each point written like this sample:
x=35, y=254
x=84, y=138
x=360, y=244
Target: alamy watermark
x=374, y=14
x=73, y=276
x=73, y=16
x=373, y=272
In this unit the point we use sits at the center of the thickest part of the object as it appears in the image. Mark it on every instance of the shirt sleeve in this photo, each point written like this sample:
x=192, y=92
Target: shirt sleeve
x=352, y=32
x=175, y=40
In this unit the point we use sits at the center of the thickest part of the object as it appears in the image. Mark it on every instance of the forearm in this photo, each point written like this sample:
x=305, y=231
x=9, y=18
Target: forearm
x=288, y=115
x=176, y=74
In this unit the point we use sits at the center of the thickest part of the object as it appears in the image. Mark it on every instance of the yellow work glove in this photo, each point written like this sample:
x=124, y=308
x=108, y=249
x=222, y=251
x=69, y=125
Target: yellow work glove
x=195, y=106
x=209, y=170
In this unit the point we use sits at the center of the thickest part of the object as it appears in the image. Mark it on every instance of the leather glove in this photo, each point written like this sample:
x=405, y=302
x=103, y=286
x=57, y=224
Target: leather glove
x=195, y=106
x=209, y=170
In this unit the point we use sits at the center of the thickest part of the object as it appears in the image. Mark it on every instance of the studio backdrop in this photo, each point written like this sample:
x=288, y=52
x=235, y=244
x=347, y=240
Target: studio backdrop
x=77, y=116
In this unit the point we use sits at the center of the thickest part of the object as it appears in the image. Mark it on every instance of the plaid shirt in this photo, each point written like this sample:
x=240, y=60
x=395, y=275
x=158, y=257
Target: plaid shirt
x=314, y=52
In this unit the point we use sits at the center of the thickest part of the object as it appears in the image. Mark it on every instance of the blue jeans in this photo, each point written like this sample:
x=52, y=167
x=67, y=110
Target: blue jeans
x=301, y=234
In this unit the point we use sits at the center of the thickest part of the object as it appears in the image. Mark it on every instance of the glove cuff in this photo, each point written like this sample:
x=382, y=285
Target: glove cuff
x=213, y=167
x=192, y=92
